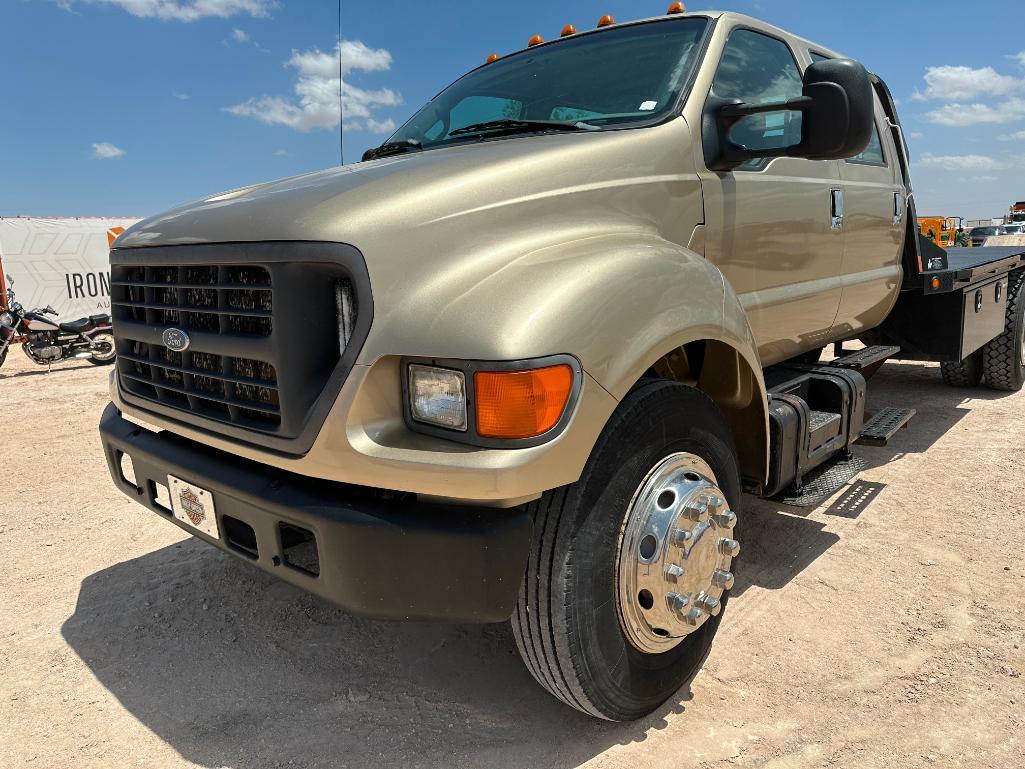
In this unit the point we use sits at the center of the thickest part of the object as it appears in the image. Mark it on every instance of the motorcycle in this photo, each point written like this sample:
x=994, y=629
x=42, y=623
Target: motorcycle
x=46, y=340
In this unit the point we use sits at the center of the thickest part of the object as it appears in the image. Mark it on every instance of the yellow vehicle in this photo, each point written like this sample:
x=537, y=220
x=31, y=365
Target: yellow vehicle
x=941, y=230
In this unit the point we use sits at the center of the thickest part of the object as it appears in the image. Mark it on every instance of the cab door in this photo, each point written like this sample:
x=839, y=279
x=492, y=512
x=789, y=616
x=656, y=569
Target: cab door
x=874, y=231
x=774, y=228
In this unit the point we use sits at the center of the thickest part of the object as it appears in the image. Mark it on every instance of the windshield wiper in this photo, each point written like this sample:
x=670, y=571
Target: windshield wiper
x=522, y=126
x=393, y=148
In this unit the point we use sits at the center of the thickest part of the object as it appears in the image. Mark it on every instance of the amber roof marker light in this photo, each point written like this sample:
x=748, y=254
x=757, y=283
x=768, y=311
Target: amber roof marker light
x=568, y=30
x=535, y=40
x=493, y=58
x=676, y=8
x=606, y=21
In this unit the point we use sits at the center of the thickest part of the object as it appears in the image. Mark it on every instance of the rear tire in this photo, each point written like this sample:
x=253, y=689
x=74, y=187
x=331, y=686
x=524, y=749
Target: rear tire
x=967, y=373
x=3, y=355
x=568, y=622
x=1003, y=358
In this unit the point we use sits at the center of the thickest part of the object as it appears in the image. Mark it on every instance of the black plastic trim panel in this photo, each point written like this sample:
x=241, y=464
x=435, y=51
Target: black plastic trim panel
x=295, y=267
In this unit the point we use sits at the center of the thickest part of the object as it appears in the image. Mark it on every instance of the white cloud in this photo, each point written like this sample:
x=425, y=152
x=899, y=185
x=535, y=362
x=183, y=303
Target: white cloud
x=281, y=153
x=1015, y=137
x=239, y=35
x=960, y=115
x=106, y=151
x=316, y=90
x=983, y=179
x=962, y=83
x=1020, y=58
x=185, y=10
x=961, y=162
x=916, y=135
x=181, y=96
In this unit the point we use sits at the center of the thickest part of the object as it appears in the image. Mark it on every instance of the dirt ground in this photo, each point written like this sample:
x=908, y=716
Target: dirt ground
x=883, y=629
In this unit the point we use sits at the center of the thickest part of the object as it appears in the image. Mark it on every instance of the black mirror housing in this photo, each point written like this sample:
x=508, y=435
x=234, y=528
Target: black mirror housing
x=838, y=111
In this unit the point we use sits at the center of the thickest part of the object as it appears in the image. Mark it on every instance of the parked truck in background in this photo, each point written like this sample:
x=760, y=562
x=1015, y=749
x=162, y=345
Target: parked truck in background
x=524, y=360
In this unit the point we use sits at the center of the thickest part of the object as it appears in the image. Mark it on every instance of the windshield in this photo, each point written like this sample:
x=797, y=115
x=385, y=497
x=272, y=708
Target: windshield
x=1011, y=229
x=615, y=77
x=980, y=231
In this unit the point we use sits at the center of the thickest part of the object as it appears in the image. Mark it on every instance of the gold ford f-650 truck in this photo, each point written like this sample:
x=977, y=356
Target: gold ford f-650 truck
x=525, y=358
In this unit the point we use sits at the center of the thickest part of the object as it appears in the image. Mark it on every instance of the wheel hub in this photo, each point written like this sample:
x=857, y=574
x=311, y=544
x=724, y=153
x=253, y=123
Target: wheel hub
x=675, y=553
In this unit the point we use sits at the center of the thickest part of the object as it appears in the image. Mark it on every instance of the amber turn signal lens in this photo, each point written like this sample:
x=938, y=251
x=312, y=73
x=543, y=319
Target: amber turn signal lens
x=493, y=58
x=521, y=404
x=568, y=30
x=935, y=283
x=677, y=8
x=605, y=21
x=535, y=40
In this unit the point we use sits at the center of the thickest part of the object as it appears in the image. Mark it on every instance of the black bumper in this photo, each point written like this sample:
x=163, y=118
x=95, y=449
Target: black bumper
x=378, y=554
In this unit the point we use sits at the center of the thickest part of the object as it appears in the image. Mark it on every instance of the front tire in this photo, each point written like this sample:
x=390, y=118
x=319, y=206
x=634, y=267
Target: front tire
x=571, y=619
x=1003, y=358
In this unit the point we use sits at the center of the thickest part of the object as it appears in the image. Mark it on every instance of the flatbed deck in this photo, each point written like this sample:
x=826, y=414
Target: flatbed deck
x=966, y=266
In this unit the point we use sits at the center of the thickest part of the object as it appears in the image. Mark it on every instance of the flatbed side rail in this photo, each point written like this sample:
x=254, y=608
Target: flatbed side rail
x=968, y=266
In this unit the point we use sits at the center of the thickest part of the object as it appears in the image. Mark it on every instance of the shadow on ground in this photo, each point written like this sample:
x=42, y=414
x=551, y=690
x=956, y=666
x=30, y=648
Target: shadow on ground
x=233, y=668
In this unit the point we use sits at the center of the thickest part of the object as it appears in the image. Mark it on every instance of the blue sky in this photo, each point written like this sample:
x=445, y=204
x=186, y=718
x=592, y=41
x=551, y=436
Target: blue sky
x=124, y=107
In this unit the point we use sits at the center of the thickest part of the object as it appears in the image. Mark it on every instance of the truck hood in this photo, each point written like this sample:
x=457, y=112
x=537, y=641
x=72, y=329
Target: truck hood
x=434, y=227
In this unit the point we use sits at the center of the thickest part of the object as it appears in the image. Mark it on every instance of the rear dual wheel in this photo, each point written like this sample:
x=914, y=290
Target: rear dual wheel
x=630, y=567
x=1003, y=359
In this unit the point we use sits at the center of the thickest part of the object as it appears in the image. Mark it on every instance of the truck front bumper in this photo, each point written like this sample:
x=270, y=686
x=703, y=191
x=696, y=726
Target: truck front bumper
x=379, y=554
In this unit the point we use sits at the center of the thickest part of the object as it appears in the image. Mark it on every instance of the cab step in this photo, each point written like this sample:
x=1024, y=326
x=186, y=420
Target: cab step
x=863, y=359
x=822, y=482
x=884, y=425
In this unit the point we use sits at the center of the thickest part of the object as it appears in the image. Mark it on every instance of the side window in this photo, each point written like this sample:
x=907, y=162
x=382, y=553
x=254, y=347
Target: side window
x=481, y=109
x=817, y=57
x=758, y=69
x=873, y=153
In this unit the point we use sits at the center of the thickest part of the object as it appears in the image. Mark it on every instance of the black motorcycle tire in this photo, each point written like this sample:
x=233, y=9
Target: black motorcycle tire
x=3, y=356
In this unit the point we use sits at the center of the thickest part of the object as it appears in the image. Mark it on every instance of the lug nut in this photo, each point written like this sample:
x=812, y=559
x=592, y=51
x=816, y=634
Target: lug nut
x=723, y=579
x=676, y=602
x=711, y=501
x=725, y=520
x=729, y=547
x=711, y=605
x=697, y=513
x=674, y=573
x=694, y=617
x=681, y=537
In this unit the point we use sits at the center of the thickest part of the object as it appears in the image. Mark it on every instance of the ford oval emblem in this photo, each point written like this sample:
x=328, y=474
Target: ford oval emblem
x=175, y=339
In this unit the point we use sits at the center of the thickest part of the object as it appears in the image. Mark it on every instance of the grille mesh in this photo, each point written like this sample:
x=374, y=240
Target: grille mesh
x=235, y=300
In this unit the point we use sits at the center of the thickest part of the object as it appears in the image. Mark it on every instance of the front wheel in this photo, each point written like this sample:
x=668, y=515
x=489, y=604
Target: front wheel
x=631, y=566
x=103, y=353
x=3, y=355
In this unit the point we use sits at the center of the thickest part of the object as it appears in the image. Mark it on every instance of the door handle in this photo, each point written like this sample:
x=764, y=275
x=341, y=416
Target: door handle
x=898, y=209
x=836, y=209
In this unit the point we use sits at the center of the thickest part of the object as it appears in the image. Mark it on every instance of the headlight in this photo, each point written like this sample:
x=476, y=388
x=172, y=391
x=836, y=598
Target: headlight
x=495, y=404
x=437, y=396
x=6, y=319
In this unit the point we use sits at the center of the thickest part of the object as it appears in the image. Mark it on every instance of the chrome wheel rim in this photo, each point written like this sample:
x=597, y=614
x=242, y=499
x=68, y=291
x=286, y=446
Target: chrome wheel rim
x=107, y=340
x=675, y=552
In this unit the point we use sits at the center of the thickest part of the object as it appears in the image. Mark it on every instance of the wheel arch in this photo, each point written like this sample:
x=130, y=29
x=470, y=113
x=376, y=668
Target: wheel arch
x=725, y=367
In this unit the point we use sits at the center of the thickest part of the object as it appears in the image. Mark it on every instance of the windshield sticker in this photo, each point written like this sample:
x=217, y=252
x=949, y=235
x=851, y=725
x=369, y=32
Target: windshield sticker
x=647, y=106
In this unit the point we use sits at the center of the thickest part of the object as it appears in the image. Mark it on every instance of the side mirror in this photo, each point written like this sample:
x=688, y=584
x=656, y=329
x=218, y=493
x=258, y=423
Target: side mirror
x=836, y=111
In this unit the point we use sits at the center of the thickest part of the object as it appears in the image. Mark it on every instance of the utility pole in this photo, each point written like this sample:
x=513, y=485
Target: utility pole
x=341, y=109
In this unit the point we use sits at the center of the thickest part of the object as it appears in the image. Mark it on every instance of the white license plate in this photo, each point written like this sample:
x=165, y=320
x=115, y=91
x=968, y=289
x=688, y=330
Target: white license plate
x=193, y=506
